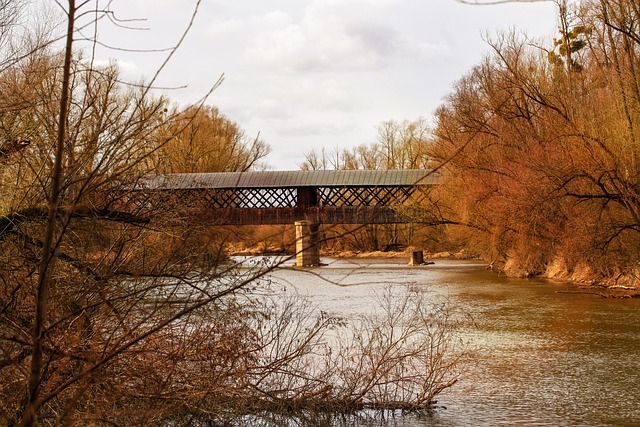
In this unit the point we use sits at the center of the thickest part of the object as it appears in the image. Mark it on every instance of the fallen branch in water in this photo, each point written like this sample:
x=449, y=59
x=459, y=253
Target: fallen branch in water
x=600, y=294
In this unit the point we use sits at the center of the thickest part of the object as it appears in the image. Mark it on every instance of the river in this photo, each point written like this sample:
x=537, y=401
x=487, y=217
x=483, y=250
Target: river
x=542, y=353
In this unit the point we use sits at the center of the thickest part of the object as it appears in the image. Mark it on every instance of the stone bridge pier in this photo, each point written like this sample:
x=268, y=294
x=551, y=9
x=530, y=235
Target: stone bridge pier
x=307, y=252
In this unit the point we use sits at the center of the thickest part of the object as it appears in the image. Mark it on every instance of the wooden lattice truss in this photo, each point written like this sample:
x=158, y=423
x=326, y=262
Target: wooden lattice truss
x=257, y=198
x=364, y=196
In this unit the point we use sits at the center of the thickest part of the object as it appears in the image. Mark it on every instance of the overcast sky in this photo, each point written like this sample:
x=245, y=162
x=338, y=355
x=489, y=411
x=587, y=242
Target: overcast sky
x=316, y=73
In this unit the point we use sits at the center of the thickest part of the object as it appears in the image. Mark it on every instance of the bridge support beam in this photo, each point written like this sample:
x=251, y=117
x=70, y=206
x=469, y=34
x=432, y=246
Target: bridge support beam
x=307, y=253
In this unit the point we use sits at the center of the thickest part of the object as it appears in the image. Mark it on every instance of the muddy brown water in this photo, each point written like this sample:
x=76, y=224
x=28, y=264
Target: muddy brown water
x=542, y=353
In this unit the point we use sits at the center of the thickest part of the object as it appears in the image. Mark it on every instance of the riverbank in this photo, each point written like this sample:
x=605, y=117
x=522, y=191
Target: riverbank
x=405, y=253
x=581, y=274
x=619, y=285
x=462, y=255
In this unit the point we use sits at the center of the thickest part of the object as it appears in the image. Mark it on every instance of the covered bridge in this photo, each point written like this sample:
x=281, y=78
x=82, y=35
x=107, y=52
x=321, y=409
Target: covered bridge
x=283, y=197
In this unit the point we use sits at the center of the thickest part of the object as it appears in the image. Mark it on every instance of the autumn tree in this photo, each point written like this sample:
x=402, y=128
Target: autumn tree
x=204, y=140
x=541, y=157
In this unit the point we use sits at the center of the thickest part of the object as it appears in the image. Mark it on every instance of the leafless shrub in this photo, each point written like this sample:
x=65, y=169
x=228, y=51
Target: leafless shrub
x=399, y=357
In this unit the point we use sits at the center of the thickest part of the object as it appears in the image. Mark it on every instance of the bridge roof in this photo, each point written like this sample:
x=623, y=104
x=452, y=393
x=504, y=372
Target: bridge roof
x=288, y=179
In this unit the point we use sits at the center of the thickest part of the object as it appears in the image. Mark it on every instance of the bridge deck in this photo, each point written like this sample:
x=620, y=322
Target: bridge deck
x=327, y=215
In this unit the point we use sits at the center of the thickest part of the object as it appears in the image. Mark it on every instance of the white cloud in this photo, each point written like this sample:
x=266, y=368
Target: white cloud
x=331, y=35
x=427, y=50
x=305, y=126
x=304, y=105
x=220, y=29
x=333, y=94
x=155, y=6
x=130, y=68
x=130, y=71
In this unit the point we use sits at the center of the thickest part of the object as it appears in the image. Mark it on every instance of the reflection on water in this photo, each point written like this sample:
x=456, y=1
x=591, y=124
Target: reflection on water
x=539, y=355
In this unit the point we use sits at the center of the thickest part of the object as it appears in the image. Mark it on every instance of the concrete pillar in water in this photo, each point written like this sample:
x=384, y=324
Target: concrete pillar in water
x=417, y=258
x=307, y=253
